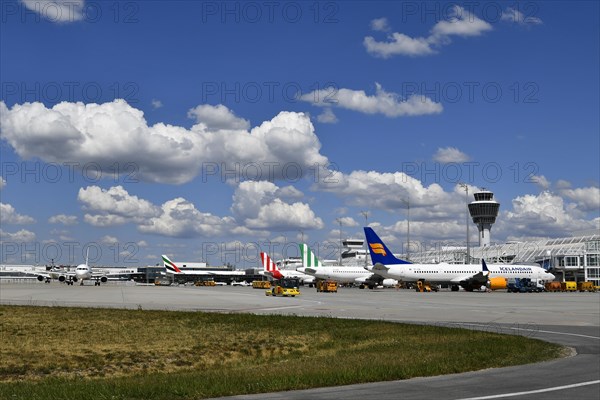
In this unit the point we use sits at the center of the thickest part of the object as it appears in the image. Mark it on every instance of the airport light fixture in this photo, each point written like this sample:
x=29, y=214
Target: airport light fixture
x=339, y=221
x=366, y=215
x=406, y=202
x=466, y=187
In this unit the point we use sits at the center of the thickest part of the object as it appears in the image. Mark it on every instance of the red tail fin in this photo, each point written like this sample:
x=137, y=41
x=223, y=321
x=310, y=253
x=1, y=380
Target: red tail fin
x=269, y=266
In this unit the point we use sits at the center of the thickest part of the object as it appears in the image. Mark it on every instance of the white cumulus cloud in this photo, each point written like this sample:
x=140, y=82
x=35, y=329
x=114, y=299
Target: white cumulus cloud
x=217, y=117
x=448, y=155
x=540, y=216
x=180, y=218
x=21, y=236
x=399, y=44
x=115, y=133
x=259, y=205
x=516, y=16
x=63, y=219
x=327, y=117
x=393, y=191
x=114, y=202
x=587, y=199
x=386, y=103
x=460, y=23
x=380, y=24
x=8, y=215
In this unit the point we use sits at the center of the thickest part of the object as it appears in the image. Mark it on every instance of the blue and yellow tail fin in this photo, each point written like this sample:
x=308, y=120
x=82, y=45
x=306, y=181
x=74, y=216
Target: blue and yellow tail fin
x=380, y=254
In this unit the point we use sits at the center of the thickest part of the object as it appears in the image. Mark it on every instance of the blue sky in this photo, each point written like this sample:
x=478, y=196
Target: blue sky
x=208, y=130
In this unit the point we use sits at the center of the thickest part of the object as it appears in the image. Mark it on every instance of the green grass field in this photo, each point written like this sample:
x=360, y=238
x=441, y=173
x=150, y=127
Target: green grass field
x=79, y=353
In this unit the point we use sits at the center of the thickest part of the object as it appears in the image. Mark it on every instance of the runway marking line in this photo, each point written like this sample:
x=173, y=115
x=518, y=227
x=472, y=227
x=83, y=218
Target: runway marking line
x=536, y=330
x=552, y=389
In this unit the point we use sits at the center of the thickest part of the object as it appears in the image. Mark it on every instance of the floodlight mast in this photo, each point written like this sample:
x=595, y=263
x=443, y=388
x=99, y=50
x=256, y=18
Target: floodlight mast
x=466, y=187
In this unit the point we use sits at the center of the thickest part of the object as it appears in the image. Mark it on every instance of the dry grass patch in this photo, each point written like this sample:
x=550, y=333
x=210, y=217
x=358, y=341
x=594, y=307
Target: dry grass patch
x=124, y=354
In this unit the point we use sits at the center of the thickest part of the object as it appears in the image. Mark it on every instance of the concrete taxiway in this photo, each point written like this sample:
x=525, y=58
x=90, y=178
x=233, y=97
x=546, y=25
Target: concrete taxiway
x=571, y=319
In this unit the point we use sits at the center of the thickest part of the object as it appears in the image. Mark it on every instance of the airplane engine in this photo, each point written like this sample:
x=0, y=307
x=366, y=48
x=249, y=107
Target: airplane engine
x=40, y=278
x=497, y=283
x=389, y=282
x=103, y=279
x=62, y=278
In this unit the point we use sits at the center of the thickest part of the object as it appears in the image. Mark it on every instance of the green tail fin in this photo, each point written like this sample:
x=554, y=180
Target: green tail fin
x=308, y=258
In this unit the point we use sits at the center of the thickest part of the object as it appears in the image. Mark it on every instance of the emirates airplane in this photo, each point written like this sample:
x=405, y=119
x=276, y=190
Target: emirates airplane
x=467, y=276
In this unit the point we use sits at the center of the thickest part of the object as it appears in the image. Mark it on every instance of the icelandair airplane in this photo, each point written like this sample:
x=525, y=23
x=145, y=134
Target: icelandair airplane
x=467, y=276
x=271, y=269
x=340, y=273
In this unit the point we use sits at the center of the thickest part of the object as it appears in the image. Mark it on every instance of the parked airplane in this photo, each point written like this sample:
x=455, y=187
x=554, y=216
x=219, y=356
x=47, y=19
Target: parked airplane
x=82, y=273
x=341, y=273
x=467, y=276
x=173, y=269
x=271, y=269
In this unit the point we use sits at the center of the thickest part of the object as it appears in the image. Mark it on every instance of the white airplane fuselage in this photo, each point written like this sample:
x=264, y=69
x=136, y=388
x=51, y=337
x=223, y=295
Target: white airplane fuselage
x=340, y=274
x=455, y=273
x=83, y=272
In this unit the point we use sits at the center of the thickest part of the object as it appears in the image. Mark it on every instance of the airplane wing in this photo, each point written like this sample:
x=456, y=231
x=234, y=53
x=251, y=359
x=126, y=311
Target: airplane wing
x=50, y=275
x=379, y=267
x=470, y=282
x=372, y=279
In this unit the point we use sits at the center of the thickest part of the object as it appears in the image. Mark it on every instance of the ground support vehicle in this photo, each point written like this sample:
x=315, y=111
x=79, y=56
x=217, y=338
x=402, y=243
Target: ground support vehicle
x=586, y=287
x=553, y=286
x=525, y=285
x=284, y=287
x=568, y=286
x=424, y=286
x=327, y=286
x=261, y=284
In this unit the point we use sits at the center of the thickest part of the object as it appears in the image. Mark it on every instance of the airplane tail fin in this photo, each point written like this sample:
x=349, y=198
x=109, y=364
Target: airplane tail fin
x=309, y=259
x=484, y=266
x=269, y=266
x=170, y=266
x=379, y=251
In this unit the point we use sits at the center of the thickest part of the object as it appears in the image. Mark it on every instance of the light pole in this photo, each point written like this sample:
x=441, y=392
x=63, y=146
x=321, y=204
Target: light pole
x=366, y=215
x=407, y=204
x=466, y=187
x=339, y=221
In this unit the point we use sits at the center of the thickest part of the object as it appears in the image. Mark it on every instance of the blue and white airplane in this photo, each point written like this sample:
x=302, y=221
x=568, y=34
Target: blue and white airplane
x=467, y=276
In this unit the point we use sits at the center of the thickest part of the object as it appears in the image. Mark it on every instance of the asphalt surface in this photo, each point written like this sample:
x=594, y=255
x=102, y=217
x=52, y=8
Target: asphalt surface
x=570, y=319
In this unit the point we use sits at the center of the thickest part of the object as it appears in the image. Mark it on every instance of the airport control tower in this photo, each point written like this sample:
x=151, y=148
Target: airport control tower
x=484, y=211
